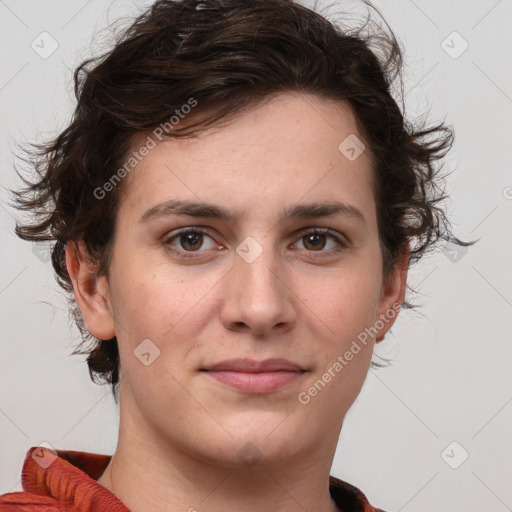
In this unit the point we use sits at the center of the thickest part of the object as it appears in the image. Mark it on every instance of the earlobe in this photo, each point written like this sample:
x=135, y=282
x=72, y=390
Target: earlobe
x=393, y=295
x=91, y=291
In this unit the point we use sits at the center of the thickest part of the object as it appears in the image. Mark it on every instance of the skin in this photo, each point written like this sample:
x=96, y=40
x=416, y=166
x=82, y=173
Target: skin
x=180, y=430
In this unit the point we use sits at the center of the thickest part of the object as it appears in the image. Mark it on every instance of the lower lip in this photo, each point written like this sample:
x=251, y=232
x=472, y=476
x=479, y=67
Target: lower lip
x=263, y=382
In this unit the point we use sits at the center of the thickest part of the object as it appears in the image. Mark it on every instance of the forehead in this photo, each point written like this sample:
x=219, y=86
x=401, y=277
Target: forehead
x=286, y=148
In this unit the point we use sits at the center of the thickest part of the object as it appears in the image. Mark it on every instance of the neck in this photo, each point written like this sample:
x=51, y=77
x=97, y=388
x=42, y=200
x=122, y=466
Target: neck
x=222, y=490
x=148, y=472
x=146, y=477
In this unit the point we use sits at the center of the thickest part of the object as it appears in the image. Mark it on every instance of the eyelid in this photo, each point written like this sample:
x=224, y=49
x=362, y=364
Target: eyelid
x=173, y=235
x=339, y=238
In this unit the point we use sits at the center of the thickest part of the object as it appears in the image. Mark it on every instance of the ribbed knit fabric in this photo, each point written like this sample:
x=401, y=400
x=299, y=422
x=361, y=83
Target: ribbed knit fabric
x=66, y=481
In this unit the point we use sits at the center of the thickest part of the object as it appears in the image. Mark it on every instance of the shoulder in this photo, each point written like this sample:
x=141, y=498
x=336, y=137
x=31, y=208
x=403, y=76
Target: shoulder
x=348, y=497
x=61, y=480
x=27, y=502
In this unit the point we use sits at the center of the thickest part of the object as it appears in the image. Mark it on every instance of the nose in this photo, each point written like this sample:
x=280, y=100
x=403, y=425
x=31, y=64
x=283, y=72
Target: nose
x=257, y=298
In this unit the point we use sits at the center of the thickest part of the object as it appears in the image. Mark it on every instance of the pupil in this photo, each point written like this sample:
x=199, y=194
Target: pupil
x=191, y=239
x=315, y=243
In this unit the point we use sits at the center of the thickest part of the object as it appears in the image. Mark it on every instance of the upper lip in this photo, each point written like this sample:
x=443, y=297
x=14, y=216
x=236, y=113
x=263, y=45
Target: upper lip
x=251, y=366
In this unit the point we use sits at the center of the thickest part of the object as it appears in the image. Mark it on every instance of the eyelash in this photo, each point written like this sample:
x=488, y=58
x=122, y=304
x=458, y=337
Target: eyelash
x=341, y=246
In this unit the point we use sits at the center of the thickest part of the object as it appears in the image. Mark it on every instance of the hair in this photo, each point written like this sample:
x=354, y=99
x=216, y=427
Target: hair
x=227, y=56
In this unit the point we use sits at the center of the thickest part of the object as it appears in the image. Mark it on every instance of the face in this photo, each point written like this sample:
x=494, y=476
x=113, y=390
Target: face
x=255, y=277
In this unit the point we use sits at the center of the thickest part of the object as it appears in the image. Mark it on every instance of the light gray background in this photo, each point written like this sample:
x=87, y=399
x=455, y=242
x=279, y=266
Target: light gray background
x=451, y=380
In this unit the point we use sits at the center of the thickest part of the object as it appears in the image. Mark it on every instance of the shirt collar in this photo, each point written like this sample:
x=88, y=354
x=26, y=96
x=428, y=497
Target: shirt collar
x=69, y=477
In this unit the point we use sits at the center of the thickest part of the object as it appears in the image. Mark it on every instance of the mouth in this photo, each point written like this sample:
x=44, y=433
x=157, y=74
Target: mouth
x=252, y=376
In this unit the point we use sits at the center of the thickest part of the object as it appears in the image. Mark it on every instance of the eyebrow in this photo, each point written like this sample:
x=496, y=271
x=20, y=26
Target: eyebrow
x=212, y=211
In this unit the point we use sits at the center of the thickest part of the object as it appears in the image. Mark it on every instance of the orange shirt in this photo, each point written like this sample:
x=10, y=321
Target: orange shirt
x=66, y=481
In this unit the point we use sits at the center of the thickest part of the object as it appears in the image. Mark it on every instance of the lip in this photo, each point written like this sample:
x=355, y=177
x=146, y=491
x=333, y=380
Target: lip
x=252, y=366
x=253, y=376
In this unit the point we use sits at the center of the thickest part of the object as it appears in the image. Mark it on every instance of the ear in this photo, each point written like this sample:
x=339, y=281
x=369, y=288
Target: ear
x=91, y=291
x=392, y=295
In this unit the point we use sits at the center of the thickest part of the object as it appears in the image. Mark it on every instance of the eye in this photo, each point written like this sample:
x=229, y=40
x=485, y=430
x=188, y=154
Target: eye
x=188, y=240
x=316, y=239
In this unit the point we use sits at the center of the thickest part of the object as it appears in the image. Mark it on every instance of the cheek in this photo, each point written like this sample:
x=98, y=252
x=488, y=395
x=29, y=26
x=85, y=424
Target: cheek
x=141, y=306
x=152, y=301
x=345, y=349
x=347, y=300
x=344, y=309
x=144, y=290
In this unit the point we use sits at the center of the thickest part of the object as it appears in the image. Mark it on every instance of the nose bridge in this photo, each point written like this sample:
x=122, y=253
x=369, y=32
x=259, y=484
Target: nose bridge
x=257, y=266
x=257, y=297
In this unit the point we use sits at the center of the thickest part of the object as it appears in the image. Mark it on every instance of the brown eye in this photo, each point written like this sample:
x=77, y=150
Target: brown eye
x=318, y=239
x=191, y=241
x=188, y=240
x=314, y=241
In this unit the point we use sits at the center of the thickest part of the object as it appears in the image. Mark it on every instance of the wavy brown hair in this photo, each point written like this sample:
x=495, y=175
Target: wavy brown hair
x=229, y=56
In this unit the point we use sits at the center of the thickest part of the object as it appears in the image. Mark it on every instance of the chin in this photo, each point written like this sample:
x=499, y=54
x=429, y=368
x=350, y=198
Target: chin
x=257, y=444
